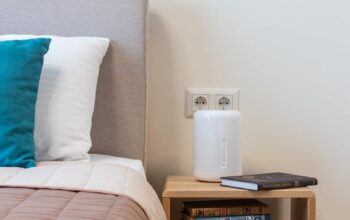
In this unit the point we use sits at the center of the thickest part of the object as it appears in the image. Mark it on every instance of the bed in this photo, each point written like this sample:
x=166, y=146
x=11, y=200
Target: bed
x=112, y=185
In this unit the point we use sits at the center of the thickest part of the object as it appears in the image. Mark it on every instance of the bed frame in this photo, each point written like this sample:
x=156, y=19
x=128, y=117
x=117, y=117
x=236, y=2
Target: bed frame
x=119, y=121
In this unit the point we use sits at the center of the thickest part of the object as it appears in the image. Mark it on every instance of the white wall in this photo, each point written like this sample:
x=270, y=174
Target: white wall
x=291, y=61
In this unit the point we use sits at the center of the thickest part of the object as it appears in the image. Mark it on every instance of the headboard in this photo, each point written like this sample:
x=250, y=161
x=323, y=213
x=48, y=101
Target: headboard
x=119, y=120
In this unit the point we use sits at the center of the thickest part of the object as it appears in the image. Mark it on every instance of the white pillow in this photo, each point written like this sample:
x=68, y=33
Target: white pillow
x=66, y=96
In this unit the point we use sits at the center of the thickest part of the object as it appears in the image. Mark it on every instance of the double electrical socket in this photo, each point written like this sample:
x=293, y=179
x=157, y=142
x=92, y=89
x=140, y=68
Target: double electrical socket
x=214, y=99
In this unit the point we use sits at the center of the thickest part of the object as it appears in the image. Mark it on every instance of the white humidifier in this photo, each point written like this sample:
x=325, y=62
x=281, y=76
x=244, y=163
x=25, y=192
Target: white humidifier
x=217, y=144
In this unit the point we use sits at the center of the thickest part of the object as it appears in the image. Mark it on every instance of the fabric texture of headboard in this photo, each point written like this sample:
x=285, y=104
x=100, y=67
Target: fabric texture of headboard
x=119, y=121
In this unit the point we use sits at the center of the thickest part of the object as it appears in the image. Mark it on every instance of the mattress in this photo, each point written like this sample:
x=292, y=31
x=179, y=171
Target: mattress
x=107, y=159
x=97, y=190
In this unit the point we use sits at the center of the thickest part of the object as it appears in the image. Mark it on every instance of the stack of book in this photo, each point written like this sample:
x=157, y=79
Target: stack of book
x=248, y=209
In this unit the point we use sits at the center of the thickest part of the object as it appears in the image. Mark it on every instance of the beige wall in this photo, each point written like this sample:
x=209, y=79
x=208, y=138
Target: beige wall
x=290, y=59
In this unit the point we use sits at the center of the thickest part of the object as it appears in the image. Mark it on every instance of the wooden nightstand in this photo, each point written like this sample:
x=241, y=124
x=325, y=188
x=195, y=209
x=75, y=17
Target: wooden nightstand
x=185, y=187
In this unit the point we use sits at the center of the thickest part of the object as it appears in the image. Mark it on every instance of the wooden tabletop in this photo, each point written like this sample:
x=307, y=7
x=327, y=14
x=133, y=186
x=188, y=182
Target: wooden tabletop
x=189, y=187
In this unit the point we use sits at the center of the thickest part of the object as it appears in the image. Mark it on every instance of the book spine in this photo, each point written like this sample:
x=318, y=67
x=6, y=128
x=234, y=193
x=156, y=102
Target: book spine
x=245, y=217
x=227, y=211
x=284, y=185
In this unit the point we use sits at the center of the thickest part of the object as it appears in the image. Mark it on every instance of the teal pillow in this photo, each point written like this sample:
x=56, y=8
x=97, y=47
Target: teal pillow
x=21, y=62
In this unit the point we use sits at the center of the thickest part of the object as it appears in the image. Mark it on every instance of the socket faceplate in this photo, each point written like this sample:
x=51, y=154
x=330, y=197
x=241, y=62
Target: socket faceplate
x=228, y=98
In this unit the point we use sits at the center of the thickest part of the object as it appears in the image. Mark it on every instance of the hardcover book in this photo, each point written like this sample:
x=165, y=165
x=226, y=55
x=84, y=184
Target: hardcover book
x=225, y=208
x=235, y=217
x=268, y=181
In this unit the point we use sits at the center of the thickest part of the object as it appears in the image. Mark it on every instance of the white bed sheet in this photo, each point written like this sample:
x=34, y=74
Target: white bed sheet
x=131, y=163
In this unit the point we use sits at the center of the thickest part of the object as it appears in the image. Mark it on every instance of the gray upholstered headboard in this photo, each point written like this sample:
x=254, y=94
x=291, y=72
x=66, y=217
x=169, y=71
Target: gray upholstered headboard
x=120, y=112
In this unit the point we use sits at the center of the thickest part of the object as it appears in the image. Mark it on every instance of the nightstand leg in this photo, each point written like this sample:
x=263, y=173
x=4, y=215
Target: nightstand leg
x=303, y=209
x=166, y=206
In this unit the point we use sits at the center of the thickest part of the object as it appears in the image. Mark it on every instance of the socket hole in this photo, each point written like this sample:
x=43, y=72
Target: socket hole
x=200, y=100
x=224, y=101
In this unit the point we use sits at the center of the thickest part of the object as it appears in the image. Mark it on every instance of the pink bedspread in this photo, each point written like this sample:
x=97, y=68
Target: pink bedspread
x=45, y=204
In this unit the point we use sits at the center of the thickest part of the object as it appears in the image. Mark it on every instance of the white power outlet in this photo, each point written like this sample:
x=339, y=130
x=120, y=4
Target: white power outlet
x=224, y=102
x=214, y=99
x=200, y=102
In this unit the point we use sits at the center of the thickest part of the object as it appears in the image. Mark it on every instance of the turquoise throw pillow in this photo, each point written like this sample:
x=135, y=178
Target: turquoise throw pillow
x=21, y=62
